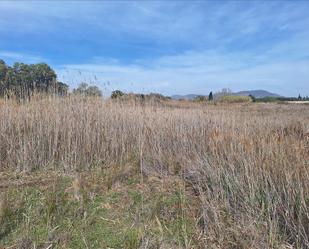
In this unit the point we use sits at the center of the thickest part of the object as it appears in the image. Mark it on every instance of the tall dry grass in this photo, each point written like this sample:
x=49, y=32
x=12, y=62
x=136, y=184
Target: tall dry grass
x=248, y=164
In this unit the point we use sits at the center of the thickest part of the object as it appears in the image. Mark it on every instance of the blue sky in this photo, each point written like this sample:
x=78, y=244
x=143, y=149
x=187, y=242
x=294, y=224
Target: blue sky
x=172, y=47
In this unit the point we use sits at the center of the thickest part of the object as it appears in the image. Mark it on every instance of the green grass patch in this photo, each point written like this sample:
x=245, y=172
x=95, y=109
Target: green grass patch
x=121, y=217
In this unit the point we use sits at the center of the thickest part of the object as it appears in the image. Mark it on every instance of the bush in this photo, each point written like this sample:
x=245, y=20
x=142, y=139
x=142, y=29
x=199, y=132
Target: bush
x=267, y=99
x=116, y=94
x=85, y=90
x=235, y=99
x=200, y=98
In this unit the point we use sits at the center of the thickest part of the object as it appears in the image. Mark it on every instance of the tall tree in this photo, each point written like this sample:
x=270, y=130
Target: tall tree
x=3, y=72
x=85, y=90
x=210, y=96
x=117, y=94
x=62, y=88
x=22, y=80
x=45, y=78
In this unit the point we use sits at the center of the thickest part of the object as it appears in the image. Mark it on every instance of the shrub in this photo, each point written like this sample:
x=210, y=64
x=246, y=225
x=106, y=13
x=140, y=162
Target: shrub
x=235, y=99
x=210, y=96
x=267, y=99
x=116, y=94
x=85, y=90
x=200, y=98
x=252, y=98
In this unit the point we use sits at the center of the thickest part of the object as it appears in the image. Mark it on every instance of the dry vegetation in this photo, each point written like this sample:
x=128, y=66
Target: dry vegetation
x=242, y=169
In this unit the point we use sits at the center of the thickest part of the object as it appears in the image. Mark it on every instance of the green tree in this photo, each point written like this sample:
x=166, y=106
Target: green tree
x=116, y=94
x=85, y=90
x=44, y=78
x=22, y=80
x=252, y=98
x=62, y=88
x=93, y=91
x=210, y=96
x=3, y=72
x=81, y=89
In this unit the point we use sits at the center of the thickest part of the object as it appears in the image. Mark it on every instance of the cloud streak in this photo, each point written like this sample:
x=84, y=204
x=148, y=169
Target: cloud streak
x=202, y=73
x=171, y=47
x=23, y=57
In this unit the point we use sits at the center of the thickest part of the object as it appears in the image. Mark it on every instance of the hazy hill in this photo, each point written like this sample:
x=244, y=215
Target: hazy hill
x=255, y=93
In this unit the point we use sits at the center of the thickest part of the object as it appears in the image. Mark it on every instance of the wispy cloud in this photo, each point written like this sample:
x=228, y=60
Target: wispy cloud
x=202, y=72
x=194, y=22
x=20, y=57
x=172, y=47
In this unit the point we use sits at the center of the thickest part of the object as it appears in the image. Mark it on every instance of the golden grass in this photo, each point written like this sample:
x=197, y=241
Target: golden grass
x=247, y=163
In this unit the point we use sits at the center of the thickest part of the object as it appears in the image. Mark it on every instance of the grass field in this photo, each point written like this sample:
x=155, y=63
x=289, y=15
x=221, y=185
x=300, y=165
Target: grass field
x=86, y=173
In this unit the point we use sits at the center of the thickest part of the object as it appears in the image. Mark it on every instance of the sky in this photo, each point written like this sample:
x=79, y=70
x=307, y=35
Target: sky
x=170, y=47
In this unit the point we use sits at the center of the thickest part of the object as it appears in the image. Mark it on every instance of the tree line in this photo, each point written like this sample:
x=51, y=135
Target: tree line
x=22, y=80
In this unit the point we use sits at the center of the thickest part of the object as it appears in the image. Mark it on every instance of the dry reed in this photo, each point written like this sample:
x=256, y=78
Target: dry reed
x=247, y=163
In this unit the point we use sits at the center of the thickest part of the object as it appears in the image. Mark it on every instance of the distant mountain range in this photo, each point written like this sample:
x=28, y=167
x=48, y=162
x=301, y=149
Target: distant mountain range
x=255, y=93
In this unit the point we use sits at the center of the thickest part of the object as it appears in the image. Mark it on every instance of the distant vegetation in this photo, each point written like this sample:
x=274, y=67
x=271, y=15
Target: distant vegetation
x=235, y=99
x=85, y=90
x=22, y=80
x=117, y=94
x=255, y=95
x=200, y=98
x=210, y=96
x=282, y=99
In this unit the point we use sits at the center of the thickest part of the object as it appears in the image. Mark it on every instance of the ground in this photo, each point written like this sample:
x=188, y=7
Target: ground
x=85, y=173
x=105, y=209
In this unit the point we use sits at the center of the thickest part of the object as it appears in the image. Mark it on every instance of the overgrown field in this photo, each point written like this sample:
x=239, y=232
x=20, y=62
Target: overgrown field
x=86, y=173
